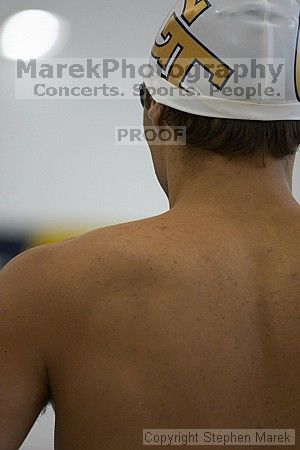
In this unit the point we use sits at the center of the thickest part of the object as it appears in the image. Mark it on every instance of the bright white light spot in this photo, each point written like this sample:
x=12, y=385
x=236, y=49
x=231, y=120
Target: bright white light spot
x=29, y=34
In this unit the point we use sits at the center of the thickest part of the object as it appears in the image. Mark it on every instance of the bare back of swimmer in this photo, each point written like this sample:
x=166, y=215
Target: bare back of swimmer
x=187, y=320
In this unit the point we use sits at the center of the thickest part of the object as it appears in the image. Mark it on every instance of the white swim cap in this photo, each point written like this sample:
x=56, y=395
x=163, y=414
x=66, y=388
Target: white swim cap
x=235, y=59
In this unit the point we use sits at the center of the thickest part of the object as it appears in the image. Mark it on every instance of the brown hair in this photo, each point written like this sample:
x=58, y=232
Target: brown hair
x=233, y=137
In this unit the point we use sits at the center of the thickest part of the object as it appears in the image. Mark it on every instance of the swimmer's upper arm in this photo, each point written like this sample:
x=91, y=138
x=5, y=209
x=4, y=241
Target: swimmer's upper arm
x=23, y=375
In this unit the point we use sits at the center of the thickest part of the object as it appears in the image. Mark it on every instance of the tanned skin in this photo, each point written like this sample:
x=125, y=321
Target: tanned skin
x=185, y=320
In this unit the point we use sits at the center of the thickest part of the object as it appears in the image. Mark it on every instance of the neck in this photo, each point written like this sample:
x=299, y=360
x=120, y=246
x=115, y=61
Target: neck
x=212, y=182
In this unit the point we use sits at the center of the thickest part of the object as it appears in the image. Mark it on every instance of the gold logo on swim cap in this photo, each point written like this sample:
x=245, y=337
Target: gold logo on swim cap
x=178, y=38
x=192, y=10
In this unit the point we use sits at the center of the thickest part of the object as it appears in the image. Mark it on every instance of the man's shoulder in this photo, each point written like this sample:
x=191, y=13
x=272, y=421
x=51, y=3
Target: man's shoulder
x=51, y=267
x=27, y=270
x=51, y=287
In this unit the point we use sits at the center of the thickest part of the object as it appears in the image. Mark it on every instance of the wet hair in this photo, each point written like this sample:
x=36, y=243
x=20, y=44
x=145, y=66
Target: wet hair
x=233, y=137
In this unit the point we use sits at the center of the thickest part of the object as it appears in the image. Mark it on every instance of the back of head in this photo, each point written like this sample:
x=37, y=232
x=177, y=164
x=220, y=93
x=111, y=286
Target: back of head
x=229, y=70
